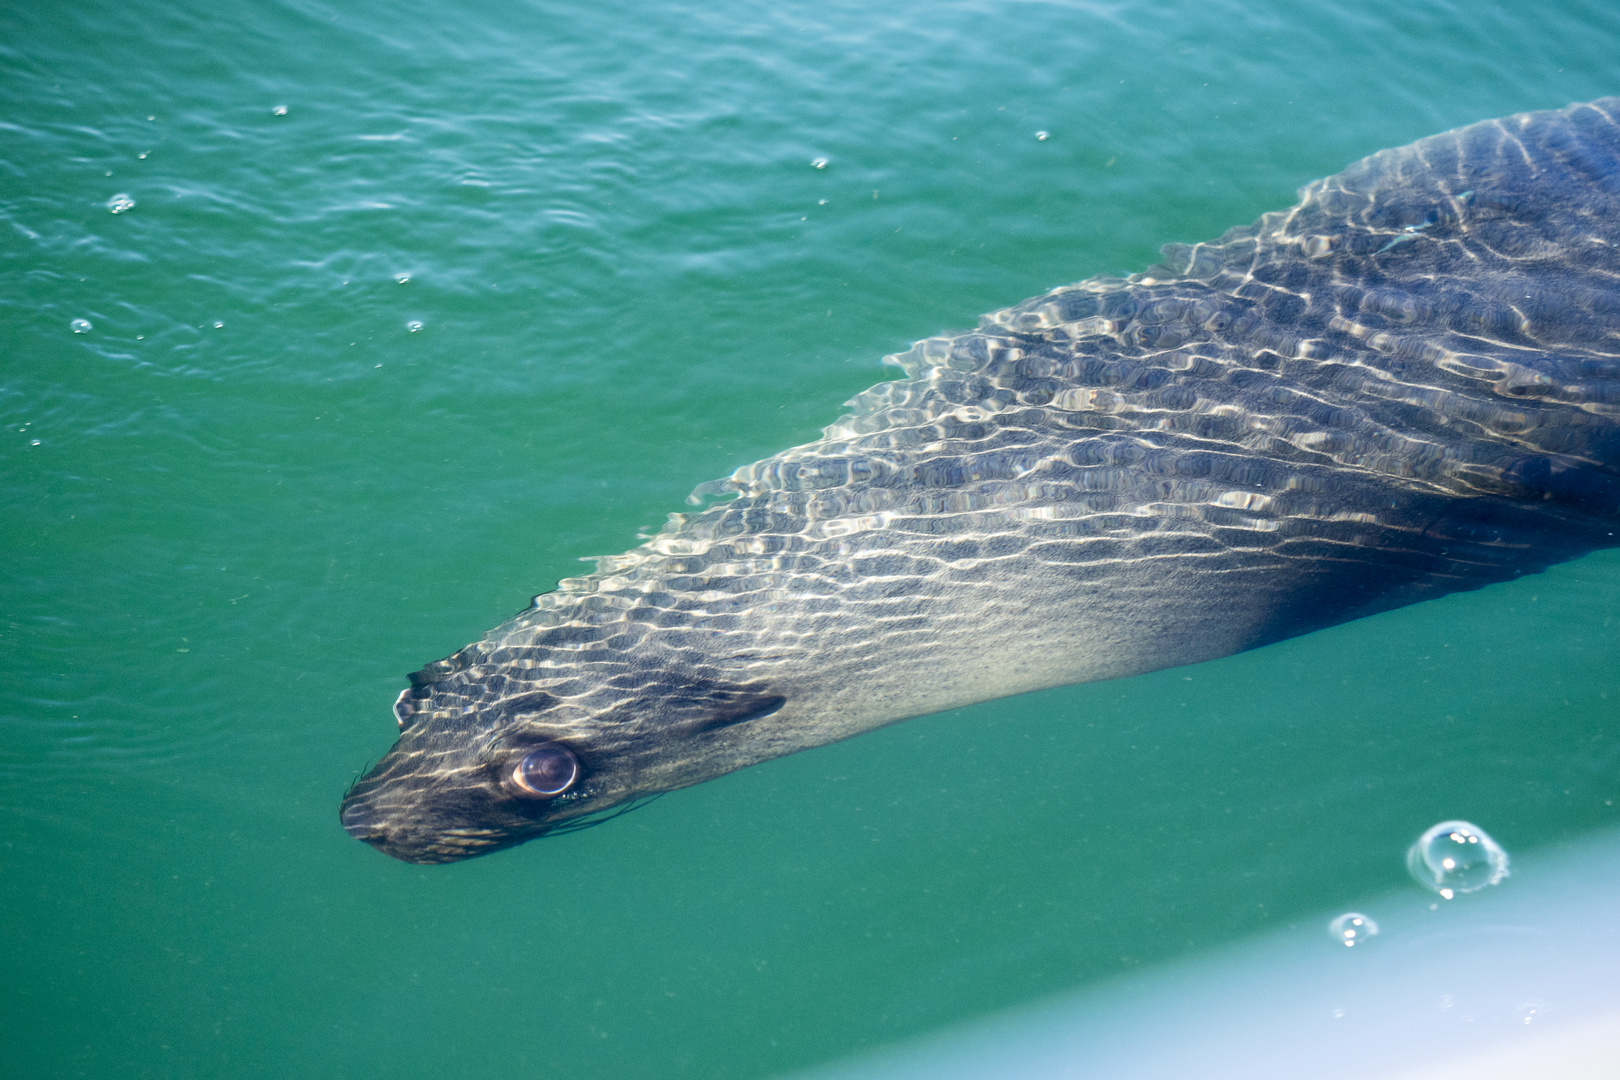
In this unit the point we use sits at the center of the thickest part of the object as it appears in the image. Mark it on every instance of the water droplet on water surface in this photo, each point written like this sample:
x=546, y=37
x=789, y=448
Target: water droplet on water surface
x=820, y=163
x=121, y=202
x=279, y=110
x=80, y=326
x=402, y=278
x=1042, y=136
x=1353, y=928
x=414, y=325
x=1456, y=857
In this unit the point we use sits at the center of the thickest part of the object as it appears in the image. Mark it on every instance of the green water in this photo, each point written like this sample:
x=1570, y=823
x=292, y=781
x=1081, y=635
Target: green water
x=242, y=504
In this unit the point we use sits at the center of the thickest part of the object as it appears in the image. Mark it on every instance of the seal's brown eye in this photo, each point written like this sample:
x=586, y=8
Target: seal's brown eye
x=546, y=771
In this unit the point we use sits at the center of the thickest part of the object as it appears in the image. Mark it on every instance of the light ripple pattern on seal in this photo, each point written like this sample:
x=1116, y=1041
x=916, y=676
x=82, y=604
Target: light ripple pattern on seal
x=1406, y=385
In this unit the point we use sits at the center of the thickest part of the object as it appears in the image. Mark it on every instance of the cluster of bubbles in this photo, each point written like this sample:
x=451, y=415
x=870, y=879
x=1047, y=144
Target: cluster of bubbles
x=414, y=325
x=1451, y=858
x=121, y=202
x=80, y=326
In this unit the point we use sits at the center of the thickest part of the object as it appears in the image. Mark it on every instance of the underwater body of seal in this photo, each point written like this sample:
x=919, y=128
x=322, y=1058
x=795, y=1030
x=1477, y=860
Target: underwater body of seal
x=1404, y=386
x=331, y=336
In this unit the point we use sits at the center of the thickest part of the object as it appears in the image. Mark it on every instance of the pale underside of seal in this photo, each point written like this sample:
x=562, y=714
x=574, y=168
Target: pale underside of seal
x=1406, y=385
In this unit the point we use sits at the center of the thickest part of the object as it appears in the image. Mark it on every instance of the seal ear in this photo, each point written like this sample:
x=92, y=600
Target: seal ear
x=739, y=711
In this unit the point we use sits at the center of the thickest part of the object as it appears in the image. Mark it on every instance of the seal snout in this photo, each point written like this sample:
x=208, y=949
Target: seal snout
x=374, y=813
x=361, y=821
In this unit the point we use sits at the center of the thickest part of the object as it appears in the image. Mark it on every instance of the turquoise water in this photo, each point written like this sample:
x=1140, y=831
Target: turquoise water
x=249, y=497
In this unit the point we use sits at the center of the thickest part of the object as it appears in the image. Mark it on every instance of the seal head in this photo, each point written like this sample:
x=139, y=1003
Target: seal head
x=471, y=774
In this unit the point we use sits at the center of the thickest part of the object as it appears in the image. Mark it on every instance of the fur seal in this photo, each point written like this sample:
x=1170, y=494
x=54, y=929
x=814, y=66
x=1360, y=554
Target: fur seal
x=1406, y=385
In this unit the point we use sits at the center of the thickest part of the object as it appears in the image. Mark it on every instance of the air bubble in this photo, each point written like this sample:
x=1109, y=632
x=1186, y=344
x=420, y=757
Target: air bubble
x=414, y=325
x=1042, y=136
x=402, y=277
x=80, y=326
x=279, y=110
x=121, y=202
x=819, y=163
x=1352, y=928
x=218, y=325
x=1456, y=857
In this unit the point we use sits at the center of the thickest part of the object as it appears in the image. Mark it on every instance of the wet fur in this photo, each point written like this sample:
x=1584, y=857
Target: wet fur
x=1406, y=385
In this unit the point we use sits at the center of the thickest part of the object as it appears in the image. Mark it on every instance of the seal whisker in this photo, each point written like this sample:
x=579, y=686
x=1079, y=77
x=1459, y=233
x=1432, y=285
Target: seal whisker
x=590, y=822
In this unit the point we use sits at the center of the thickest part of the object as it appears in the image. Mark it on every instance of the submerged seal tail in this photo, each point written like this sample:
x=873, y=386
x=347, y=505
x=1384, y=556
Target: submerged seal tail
x=1406, y=385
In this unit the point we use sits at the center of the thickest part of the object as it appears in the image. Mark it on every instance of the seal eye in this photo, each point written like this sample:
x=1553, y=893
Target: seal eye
x=546, y=771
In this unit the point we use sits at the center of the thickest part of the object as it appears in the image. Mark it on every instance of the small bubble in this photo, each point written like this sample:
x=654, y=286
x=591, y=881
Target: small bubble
x=80, y=326
x=402, y=278
x=121, y=202
x=1456, y=857
x=34, y=443
x=218, y=325
x=1042, y=136
x=414, y=325
x=819, y=163
x=143, y=153
x=1352, y=928
x=822, y=202
x=279, y=110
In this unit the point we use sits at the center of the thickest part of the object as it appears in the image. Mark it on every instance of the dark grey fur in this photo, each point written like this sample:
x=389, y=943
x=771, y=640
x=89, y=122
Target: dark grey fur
x=1407, y=385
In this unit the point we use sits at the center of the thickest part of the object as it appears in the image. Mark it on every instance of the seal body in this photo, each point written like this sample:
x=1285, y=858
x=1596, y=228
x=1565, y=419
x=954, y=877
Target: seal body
x=1406, y=385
